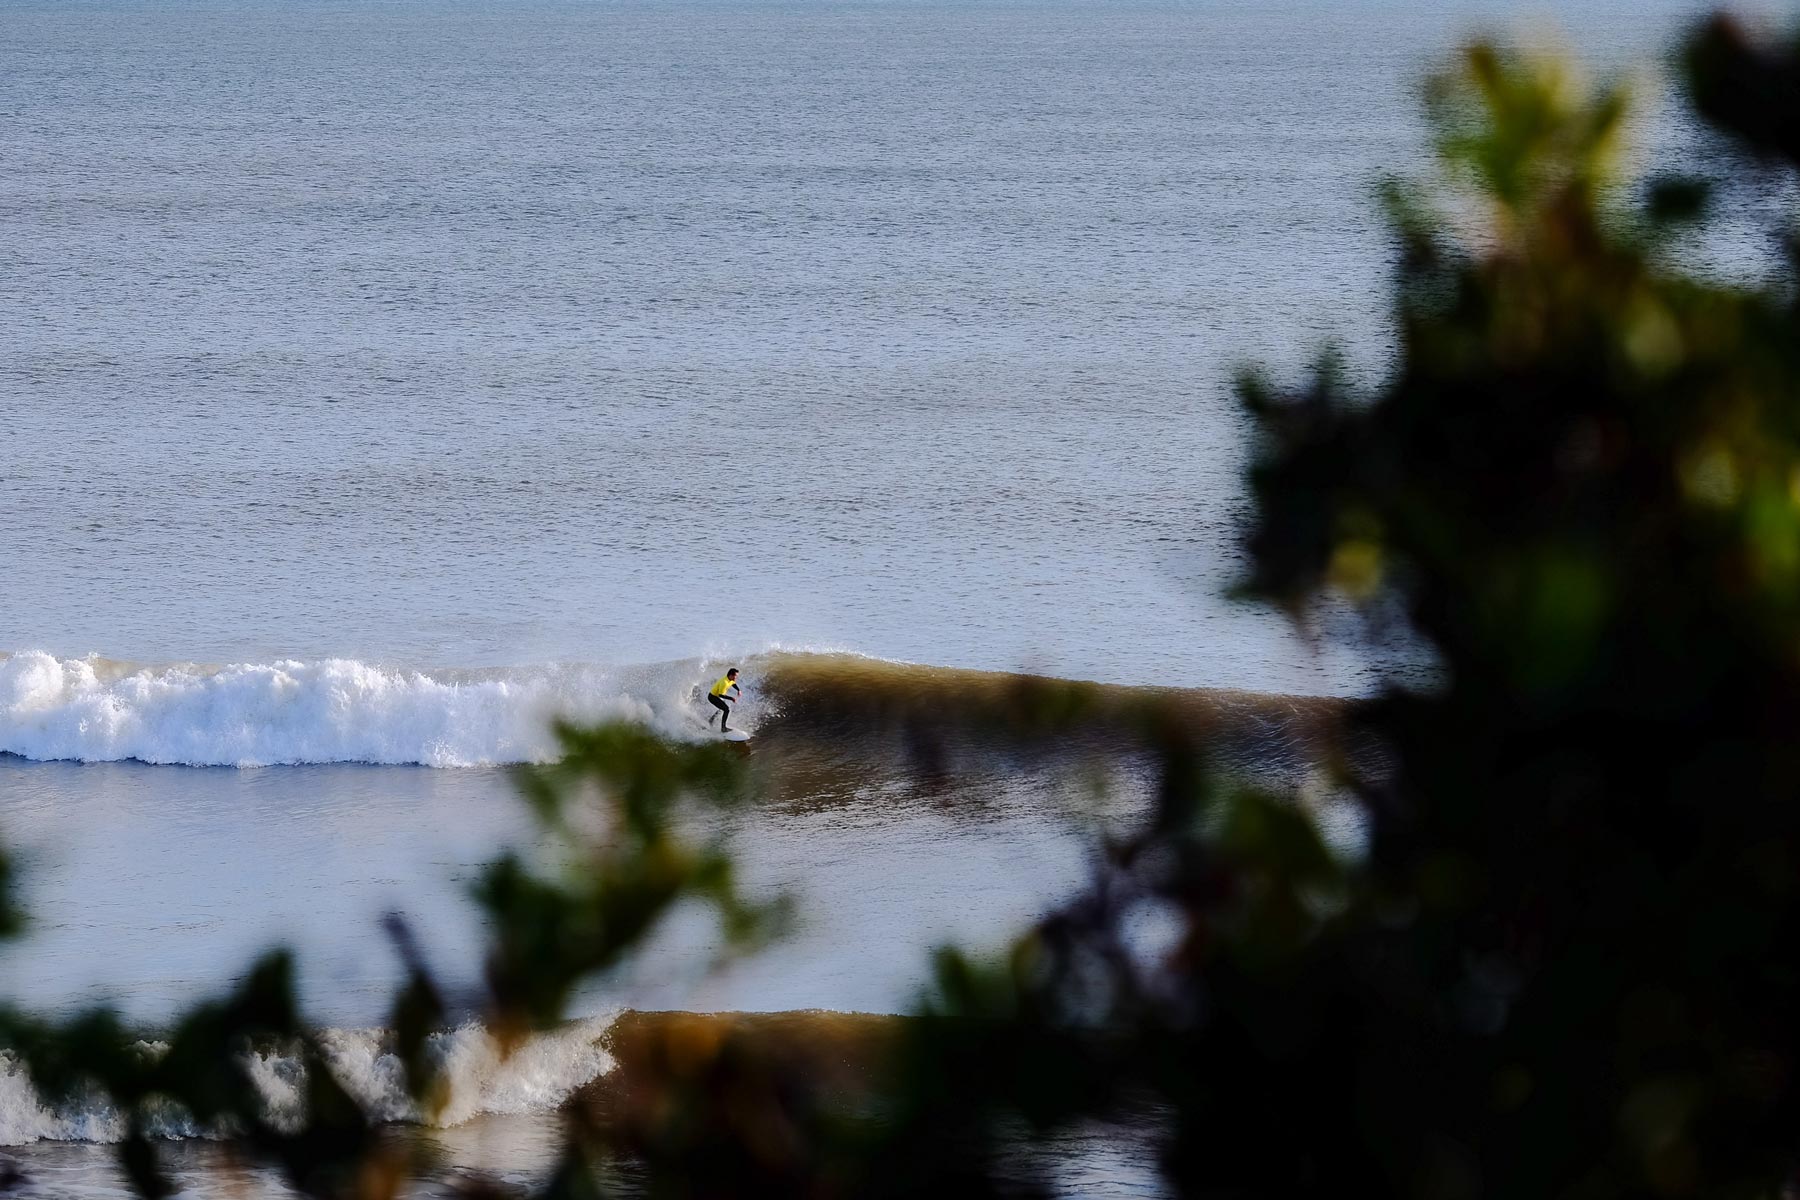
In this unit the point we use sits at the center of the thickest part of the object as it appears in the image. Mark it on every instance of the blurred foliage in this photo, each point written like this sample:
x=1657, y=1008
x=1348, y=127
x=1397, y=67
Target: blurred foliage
x=1582, y=488
x=625, y=818
x=1569, y=962
x=204, y=1069
x=622, y=874
x=12, y=917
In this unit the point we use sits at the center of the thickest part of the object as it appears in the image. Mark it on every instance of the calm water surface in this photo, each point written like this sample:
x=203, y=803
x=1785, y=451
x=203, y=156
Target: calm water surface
x=450, y=336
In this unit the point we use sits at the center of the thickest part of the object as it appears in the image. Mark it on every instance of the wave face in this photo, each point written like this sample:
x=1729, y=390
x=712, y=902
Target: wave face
x=326, y=711
x=338, y=710
x=538, y=1076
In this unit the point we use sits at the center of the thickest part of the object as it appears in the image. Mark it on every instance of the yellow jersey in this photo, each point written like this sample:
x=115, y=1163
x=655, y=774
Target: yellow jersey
x=725, y=684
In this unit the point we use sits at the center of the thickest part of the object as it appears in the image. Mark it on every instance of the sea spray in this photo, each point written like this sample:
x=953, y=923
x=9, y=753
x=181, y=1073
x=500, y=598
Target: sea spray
x=325, y=711
x=539, y=1075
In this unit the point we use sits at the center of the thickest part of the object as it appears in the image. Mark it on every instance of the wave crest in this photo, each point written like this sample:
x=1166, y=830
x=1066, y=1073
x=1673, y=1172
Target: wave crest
x=326, y=711
x=539, y=1075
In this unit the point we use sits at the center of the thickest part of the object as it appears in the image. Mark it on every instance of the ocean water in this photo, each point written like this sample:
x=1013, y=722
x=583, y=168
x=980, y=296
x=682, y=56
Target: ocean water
x=382, y=379
x=445, y=335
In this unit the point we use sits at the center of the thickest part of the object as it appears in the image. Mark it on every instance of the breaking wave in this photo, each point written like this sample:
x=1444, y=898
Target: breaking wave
x=324, y=711
x=540, y=1075
x=344, y=711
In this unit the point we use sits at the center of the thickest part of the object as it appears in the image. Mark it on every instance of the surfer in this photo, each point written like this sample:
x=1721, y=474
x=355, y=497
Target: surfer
x=723, y=693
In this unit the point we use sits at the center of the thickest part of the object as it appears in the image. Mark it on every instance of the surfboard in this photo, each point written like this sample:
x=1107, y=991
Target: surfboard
x=736, y=735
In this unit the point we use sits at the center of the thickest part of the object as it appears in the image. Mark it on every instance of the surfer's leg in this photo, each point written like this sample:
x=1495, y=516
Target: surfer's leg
x=722, y=707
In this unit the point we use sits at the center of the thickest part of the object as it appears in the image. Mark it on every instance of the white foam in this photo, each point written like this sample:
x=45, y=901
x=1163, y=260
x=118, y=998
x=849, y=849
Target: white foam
x=325, y=711
x=539, y=1075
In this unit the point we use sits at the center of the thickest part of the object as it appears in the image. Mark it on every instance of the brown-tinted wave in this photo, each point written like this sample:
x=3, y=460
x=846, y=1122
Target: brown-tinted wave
x=939, y=716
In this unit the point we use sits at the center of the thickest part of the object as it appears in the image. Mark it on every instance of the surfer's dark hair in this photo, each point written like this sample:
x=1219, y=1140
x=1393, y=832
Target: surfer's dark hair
x=732, y=671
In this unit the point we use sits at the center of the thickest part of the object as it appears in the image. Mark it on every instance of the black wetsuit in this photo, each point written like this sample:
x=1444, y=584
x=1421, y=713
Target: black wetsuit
x=718, y=702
